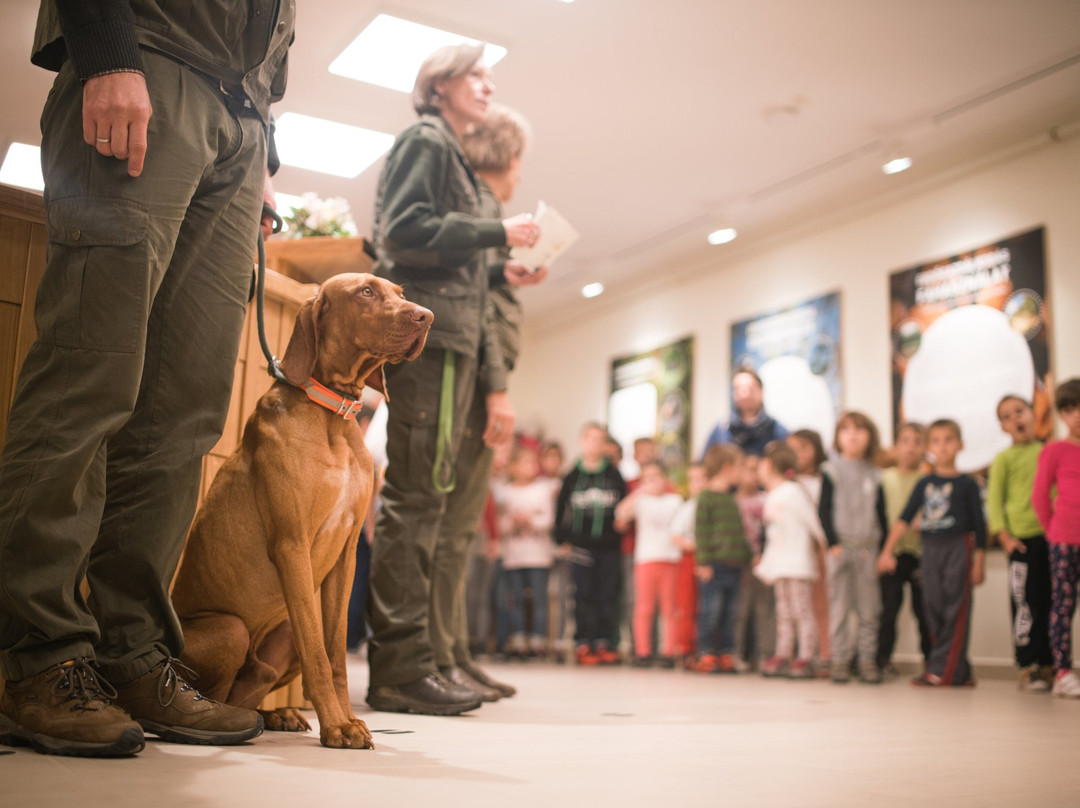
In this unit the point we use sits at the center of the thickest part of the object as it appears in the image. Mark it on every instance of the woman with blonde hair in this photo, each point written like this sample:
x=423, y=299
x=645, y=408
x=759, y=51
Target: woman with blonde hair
x=430, y=236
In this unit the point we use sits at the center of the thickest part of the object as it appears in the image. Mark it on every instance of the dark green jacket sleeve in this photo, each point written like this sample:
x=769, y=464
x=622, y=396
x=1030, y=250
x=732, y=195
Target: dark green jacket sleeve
x=99, y=37
x=416, y=234
x=496, y=373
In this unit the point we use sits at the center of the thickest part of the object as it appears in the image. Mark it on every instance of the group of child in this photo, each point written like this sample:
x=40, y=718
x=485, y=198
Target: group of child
x=800, y=557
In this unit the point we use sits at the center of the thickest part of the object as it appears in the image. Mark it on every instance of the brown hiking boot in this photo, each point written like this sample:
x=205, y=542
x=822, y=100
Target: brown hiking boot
x=67, y=710
x=166, y=705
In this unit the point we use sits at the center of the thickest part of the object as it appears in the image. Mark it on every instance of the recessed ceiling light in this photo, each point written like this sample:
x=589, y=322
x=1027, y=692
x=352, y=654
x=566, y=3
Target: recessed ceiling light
x=390, y=50
x=592, y=289
x=722, y=236
x=328, y=146
x=896, y=165
x=22, y=167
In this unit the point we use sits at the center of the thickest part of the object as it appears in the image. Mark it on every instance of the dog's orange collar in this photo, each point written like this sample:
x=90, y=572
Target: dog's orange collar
x=347, y=408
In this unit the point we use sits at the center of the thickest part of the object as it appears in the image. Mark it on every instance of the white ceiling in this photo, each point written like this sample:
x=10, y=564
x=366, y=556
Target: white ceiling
x=656, y=122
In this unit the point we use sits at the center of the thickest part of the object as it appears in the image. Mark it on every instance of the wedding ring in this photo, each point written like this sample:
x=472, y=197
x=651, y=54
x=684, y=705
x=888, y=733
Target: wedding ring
x=102, y=139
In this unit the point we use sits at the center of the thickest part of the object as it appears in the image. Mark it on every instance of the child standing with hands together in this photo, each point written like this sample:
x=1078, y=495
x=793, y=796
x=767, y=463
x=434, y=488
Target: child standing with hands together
x=792, y=534
x=656, y=555
x=857, y=511
x=1059, y=467
x=949, y=506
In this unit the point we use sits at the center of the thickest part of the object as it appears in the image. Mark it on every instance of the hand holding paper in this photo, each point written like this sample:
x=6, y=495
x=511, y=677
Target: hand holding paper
x=556, y=235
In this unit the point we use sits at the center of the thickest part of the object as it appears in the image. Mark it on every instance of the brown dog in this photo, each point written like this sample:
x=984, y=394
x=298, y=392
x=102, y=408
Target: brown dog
x=263, y=589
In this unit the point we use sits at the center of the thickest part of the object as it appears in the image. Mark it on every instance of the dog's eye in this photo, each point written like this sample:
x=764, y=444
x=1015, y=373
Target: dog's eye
x=366, y=291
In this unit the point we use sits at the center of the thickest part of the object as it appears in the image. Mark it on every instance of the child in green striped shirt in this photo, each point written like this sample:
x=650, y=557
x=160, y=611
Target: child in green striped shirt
x=721, y=553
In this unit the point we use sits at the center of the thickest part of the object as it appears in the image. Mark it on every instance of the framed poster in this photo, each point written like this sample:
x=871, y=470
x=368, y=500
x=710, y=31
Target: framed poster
x=968, y=330
x=796, y=352
x=651, y=394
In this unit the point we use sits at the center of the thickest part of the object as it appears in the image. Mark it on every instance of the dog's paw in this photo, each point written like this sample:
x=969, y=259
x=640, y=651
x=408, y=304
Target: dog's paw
x=354, y=735
x=284, y=719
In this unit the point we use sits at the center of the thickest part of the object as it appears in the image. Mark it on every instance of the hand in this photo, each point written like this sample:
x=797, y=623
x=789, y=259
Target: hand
x=271, y=200
x=703, y=573
x=517, y=274
x=500, y=419
x=1010, y=544
x=978, y=568
x=116, y=110
x=886, y=564
x=521, y=230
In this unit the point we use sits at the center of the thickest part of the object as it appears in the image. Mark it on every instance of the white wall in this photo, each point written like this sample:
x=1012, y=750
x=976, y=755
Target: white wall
x=562, y=379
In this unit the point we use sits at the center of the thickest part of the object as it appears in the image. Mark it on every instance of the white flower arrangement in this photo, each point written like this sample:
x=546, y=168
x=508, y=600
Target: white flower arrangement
x=318, y=217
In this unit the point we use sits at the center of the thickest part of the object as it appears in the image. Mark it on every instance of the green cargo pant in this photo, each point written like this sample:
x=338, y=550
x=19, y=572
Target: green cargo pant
x=408, y=529
x=460, y=523
x=138, y=318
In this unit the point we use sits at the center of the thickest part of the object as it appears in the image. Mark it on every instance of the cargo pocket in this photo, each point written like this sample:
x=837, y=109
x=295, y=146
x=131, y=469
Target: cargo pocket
x=95, y=290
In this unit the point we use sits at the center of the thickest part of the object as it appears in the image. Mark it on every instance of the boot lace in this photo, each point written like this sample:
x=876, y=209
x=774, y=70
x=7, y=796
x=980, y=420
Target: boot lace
x=79, y=682
x=171, y=682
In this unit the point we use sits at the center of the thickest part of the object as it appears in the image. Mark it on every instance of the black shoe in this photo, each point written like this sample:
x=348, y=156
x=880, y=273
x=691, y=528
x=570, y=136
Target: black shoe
x=665, y=662
x=456, y=676
x=481, y=676
x=428, y=695
x=641, y=662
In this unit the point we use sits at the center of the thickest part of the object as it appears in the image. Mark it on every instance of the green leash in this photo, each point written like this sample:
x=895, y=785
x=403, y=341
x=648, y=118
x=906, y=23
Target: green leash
x=445, y=429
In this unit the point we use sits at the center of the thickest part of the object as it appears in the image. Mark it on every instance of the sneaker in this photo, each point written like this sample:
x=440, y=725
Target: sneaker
x=774, y=666
x=666, y=663
x=585, y=656
x=164, y=704
x=1066, y=685
x=870, y=675
x=839, y=674
x=926, y=680
x=890, y=673
x=725, y=663
x=1031, y=680
x=706, y=663
x=605, y=656
x=824, y=669
x=641, y=662
x=742, y=666
x=67, y=709
x=800, y=669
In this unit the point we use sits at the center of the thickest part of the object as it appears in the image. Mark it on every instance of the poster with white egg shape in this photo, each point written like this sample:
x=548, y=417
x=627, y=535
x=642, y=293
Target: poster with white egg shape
x=968, y=330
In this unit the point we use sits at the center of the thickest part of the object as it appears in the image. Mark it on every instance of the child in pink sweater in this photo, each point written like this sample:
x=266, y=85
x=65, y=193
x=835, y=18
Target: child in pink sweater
x=1059, y=466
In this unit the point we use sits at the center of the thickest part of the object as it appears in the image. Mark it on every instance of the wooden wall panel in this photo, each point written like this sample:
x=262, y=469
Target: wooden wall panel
x=14, y=250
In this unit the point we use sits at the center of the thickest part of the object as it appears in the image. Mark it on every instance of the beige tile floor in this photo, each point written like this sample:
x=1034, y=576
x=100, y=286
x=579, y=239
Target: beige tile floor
x=600, y=738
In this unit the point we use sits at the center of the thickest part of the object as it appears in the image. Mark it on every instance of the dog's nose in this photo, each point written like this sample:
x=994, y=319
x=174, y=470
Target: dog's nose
x=422, y=316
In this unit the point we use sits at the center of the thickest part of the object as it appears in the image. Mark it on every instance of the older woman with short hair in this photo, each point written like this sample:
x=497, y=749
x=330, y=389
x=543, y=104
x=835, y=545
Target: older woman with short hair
x=430, y=238
x=494, y=149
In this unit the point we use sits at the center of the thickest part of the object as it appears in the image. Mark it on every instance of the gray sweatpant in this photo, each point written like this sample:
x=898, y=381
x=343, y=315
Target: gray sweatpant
x=853, y=590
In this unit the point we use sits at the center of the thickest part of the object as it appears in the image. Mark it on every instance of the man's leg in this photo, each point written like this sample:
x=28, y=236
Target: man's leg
x=107, y=318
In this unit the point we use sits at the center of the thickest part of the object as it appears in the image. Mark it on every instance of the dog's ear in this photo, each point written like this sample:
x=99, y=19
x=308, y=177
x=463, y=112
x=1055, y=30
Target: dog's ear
x=300, y=355
x=376, y=380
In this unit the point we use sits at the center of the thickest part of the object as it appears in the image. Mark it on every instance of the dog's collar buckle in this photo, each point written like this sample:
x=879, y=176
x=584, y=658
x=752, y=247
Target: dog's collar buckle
x=347, y=408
